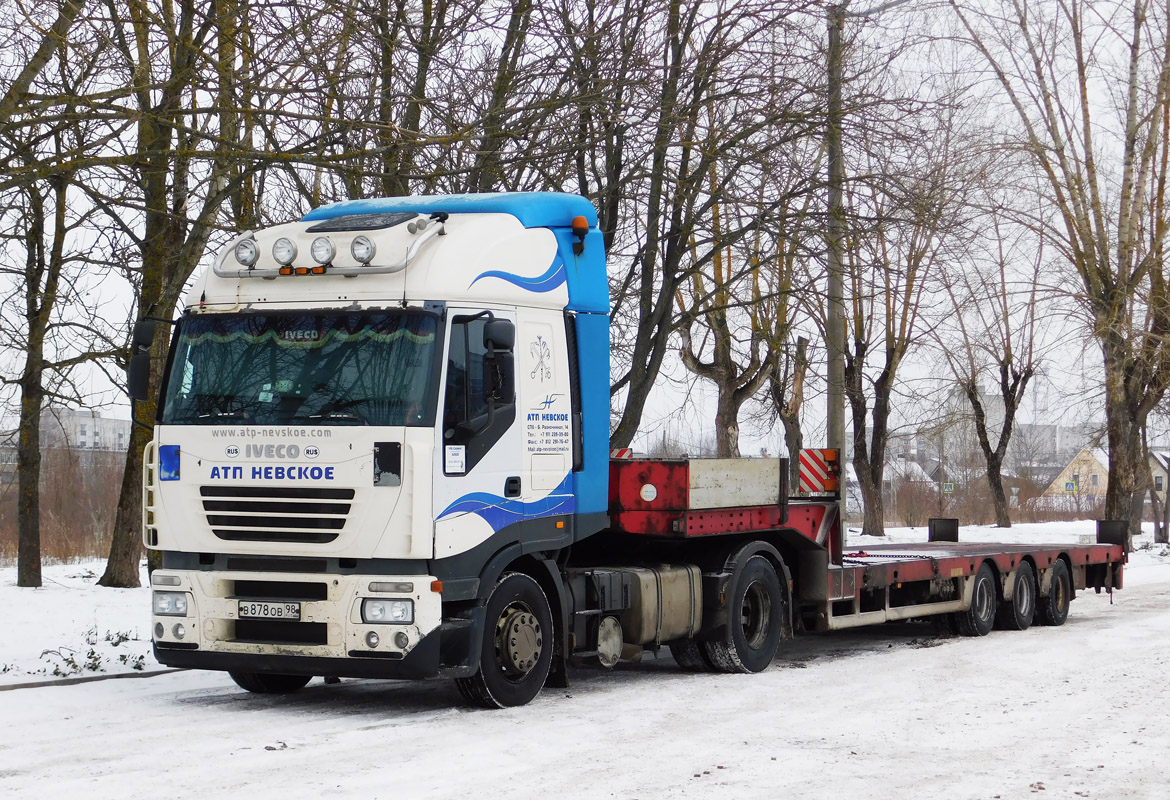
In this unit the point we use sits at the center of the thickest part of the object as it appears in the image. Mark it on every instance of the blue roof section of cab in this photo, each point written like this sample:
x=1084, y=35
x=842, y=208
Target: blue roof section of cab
x=533, y=209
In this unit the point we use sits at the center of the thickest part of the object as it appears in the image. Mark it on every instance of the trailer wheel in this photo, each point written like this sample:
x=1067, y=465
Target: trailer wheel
x=1052, y=608
x=690, y=656
x=755, y=608
x=269, y=683
x=979, y=619
x=1017, y=614
x=517, y=646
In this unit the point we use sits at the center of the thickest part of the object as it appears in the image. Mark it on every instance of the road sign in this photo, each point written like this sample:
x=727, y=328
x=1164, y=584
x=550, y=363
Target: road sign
x=948, y=488
x=1070, y=487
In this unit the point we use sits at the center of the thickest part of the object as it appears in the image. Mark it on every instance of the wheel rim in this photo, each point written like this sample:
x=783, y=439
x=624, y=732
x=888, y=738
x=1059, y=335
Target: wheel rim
x=984, y=600
x=519, y=641
x=1061, y=594
x=755, y=615
x=1024, y=597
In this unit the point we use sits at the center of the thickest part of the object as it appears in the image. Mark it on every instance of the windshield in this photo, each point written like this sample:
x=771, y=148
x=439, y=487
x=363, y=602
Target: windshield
x=355, y=368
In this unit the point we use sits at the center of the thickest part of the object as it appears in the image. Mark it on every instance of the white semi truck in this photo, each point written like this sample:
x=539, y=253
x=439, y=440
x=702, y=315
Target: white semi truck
x=382, y=450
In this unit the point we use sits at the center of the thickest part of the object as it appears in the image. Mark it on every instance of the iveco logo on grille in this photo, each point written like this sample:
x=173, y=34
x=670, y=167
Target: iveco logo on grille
x=274, y=451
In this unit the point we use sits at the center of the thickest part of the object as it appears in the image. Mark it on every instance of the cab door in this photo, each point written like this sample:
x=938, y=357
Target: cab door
x=479, y=472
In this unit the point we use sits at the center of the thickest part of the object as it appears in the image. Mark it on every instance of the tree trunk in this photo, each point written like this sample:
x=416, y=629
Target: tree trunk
x=727, y=424
x=28, y=468
x=1162, y=533
x=1123, y=425
x=998, y=496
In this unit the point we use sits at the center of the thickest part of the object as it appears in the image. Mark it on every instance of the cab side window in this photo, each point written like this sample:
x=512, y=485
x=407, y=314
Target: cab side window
x=478, y=407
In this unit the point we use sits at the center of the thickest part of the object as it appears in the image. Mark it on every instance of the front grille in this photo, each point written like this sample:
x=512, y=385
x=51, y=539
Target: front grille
x=281, y=590
x=276, y=514
x=263, y=631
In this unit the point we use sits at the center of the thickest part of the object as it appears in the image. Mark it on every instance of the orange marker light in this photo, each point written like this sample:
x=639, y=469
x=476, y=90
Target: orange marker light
x=437, y=587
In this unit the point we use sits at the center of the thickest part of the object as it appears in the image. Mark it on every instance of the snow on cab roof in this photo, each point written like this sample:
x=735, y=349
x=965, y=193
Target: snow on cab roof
x=533, y=209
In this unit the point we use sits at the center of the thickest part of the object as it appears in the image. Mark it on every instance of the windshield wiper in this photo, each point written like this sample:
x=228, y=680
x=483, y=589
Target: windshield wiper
x=340, y=415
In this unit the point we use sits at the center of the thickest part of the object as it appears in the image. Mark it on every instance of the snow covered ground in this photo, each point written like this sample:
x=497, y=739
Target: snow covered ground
x=893, y=711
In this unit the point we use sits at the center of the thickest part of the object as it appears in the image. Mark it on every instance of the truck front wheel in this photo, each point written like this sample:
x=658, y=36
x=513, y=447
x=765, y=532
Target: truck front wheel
x=755, y=609
x=269, y=683
x=517, y=646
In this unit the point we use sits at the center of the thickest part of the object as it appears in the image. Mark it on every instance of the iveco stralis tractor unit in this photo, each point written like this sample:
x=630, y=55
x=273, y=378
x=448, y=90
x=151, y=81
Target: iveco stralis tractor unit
x=382, y=450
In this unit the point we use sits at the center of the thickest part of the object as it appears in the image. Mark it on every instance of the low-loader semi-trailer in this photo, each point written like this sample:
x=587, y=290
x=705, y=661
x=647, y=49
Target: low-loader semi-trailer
x=381, y=450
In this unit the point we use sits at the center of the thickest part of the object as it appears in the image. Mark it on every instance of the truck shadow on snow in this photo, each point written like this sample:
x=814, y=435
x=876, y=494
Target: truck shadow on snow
x=377, y=697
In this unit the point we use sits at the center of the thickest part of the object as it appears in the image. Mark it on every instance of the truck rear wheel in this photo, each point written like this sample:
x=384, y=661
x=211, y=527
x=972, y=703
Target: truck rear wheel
x=269, y=683
x=517, y=646
x=755, y=608
x=1052, y=608
x=979, y=619
x=690, y=656
x=1016, y=614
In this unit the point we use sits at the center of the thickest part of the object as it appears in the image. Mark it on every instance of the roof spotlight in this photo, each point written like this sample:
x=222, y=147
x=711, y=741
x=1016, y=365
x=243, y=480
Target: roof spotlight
x=363, y=249
x=322, y=250
x=284, y=250
x=247, y=253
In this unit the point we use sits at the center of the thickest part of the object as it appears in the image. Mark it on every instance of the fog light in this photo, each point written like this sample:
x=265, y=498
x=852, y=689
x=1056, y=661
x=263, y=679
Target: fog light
x=179, y=630
x=401, y=640
x=372, y=640
x=159, y=630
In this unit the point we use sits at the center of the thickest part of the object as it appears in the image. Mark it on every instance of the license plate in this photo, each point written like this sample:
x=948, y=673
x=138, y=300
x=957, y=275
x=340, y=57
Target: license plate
x=258, y=609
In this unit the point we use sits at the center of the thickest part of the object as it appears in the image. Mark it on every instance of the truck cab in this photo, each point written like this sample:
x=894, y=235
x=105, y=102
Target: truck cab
x=360, y=411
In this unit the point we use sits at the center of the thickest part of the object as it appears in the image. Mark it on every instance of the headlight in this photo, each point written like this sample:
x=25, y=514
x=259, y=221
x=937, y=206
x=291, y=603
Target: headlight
x=170, y=604
x=247, y=253
x=284, y=250
x=363, y=249
x=387, y=612
x=322, y=250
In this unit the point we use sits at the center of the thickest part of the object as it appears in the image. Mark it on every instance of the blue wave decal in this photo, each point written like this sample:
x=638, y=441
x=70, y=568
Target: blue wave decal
x=500, y=512
x=554, y=277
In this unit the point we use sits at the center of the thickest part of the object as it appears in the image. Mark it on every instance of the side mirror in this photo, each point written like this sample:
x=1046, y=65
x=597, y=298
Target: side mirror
x=500, y=335
x=138, y=376
x=143, y=336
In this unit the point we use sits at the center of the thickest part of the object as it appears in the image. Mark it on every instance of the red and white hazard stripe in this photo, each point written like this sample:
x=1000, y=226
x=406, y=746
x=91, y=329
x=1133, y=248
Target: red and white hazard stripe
x=622, y=452
x=815, y=472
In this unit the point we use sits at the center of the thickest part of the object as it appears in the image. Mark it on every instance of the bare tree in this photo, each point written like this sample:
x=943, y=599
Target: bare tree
x=906, y=226
x=1102, y=160
x=993, y=314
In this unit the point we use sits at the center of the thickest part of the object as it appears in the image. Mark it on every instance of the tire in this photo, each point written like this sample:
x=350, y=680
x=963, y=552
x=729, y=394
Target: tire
x=269, y=683
x=690, y=656
x=1017, y=614
x=755, y=608
x=517, y=646
x=979, y=619
x=1052, y=608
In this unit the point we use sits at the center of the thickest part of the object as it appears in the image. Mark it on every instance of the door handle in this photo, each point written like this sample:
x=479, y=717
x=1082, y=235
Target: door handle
x=512, y=486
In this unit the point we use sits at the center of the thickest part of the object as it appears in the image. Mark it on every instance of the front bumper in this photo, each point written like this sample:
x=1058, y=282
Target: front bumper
x=329, y=638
